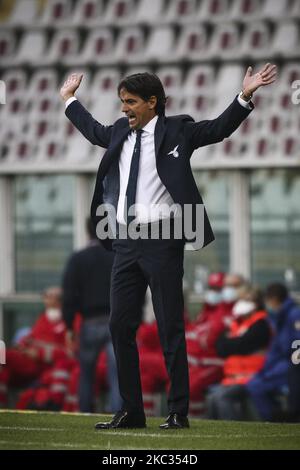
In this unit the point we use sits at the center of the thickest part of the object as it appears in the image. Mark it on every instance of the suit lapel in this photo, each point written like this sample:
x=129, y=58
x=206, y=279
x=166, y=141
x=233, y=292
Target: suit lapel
x=159, y=133
x=114, y=151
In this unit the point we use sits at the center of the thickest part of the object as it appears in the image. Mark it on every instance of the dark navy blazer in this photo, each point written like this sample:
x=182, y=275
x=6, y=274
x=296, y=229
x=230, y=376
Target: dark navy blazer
x=170, y=132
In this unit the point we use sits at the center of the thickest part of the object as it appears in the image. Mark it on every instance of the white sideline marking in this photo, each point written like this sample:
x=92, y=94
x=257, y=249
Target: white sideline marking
x=53, y=413
x=200, y=436
x=68, y=445
x=25, y=428
x=55, y=444
x=167, y=435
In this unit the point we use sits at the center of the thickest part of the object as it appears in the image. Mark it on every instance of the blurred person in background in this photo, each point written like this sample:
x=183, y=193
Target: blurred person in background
x=265, y=387
x=230, y=293
x=38, y=350
x=205, y=367
x=212, y=296
x=243, y=347
x=86, y=290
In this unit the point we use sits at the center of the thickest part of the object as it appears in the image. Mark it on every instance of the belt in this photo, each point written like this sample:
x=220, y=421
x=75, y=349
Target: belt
x=160, y=229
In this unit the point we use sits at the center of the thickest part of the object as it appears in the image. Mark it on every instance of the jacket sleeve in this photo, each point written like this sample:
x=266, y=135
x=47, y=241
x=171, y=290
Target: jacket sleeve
x=92, y=130
x=258, y=336
x=212, y=131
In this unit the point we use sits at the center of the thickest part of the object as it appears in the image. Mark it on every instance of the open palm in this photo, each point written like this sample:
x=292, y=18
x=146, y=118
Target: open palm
x=265, y=76
x=70, y=86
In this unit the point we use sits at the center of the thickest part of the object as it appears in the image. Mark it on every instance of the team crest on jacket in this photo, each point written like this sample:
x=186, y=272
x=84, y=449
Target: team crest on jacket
x=174, y=152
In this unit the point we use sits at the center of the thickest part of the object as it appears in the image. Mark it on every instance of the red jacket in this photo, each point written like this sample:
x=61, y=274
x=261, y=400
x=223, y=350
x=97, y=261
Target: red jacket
x=239, y=369
x=47, y=338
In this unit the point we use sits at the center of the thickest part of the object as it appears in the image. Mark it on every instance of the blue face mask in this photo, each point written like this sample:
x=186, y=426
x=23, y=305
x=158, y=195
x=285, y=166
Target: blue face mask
x=229, y=294
x=212, y=297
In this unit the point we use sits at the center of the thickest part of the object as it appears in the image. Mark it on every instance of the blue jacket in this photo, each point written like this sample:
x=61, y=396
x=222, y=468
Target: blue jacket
x=287, y=330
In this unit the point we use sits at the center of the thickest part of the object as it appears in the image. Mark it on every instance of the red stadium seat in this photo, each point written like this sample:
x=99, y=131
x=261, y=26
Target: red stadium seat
x=225, y=42
x=98, y=48
x=199, y=78
x=15, y=80
x=171, y=78
x=119, y=12
x=193, y=43
x=89, y=13
x=246, y=10
x=214, y=11
x=64, y=48
x=58, y=12
x=7, y=47
x=130, y=46
x=181, y=11
x=256, y=41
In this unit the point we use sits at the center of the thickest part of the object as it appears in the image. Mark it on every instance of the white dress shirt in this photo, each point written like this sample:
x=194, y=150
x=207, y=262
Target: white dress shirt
x=152, y=198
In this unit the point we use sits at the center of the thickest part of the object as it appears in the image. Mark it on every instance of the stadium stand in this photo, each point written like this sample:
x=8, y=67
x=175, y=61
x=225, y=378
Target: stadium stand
x=44, y=41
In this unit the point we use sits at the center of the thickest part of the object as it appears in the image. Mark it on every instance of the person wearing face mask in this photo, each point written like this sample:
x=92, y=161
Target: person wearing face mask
x=205, y=367
x=212, y=296
x=37, y=351
x=243, y=347
x=267, y=385
x=230, y=294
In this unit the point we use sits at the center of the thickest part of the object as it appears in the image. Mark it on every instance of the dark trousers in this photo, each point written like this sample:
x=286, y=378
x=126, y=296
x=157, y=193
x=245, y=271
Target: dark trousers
x=159, y=264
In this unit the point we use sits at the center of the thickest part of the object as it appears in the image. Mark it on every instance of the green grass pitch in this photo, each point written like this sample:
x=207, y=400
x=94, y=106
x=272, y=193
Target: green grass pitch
x=37, y=430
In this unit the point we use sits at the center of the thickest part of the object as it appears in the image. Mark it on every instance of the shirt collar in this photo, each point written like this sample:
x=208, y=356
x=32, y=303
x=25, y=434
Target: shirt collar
x=150, y=126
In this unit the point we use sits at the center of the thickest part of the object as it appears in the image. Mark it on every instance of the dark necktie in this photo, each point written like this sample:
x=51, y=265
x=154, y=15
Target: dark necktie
x=133, y=176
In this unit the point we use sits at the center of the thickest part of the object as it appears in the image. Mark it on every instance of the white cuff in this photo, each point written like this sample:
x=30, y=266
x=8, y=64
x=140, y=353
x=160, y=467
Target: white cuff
x=245, y=104
x=70, y=100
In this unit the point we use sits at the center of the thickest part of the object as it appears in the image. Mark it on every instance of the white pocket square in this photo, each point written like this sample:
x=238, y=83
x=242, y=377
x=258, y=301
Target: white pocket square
x=174, y=152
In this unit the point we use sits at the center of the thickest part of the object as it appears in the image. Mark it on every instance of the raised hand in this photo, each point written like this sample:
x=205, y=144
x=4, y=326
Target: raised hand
x=265, y=76
x=70, y=86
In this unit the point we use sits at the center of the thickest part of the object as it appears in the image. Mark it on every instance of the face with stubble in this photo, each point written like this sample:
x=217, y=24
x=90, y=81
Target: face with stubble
x=138, y=111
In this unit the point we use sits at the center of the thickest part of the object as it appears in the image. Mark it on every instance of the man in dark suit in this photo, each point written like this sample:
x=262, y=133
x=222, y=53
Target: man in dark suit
x=145, y=179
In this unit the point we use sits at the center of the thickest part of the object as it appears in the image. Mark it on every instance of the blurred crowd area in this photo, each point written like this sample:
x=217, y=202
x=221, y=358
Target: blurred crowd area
x=243, y=351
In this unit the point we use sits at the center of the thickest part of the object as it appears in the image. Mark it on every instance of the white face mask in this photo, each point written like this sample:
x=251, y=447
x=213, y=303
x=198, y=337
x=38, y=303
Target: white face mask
x=53, y=314
x=229, y=294
x=243, y=307
x=212, y=297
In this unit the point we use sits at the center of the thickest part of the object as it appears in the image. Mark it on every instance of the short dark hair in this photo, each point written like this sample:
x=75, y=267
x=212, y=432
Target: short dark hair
x=278, y=291
x=146, y=85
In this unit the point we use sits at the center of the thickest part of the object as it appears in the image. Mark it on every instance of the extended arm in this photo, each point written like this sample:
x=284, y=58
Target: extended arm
x=92, y=130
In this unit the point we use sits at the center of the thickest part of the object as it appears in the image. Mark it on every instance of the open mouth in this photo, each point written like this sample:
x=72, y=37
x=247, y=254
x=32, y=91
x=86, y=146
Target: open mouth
x=132, y=120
